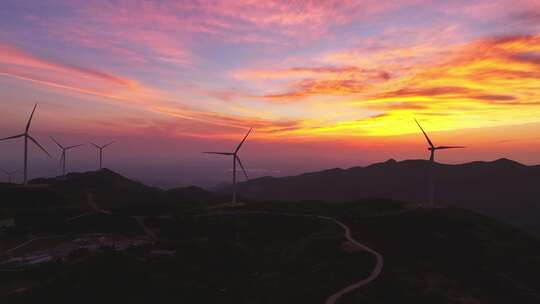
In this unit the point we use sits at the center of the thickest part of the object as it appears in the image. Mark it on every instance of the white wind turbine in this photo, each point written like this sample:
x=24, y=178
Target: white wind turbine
x=64, y=150
x=100, y=148
x=432, y=148
x=9, y=174
x=26, y=135
x=236, y=159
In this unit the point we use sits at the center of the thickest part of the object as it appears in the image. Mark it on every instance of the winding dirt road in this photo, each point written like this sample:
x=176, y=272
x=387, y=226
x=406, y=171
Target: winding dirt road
x=372, y=276
x=94, y=206
x=139, y=220
x=379, y=260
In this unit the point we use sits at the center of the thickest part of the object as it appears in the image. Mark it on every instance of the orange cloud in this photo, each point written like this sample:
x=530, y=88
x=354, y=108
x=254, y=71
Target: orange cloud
x=318, y=80
x=489, y=82
x=484, y=83
x=312, y=87
x=309, y=72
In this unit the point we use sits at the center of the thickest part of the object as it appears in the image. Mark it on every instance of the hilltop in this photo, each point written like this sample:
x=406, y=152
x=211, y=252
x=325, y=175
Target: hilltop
x=108, y=189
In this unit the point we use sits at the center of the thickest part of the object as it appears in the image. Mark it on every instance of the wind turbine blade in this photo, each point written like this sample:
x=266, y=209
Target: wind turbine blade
x=30, y=120
x=220, y=153
x=450, y=147
x=93, y=144
x=428, y=140
x=57, y=143
x=74, y=146
x=242, y=166
x=4, y=171
x=243, y=140
x=37, y=144
x=11, y=137
x=105, y=146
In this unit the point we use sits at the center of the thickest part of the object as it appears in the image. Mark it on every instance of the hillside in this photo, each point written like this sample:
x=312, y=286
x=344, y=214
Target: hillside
x=114, y=191
x=450, y=256
x=55, y=199
x=503, y=189
x=446, y=256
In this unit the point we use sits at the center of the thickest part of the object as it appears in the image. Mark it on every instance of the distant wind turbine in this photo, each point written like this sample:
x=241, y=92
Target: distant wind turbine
x=432, y=148
x=9, y=174
x=100, y=148
x=26, y=135
x=64, y=150
x=236, y=159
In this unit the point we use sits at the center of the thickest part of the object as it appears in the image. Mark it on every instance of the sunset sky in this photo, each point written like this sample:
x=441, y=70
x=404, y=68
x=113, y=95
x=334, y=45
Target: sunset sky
x=323, y=83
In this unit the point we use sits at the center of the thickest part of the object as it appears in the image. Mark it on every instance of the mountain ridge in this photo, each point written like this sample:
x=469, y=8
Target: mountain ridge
x=503, y=188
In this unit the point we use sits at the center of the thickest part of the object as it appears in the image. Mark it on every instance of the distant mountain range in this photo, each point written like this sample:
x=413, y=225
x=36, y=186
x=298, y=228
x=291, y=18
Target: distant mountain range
x=504, y=189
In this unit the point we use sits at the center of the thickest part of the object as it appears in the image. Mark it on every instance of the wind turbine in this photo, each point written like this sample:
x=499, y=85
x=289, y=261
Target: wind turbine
x=9, y=174
x=236, y=159
x=63, y=157
x=432, y=148
x=26, y=135
x=100, y=148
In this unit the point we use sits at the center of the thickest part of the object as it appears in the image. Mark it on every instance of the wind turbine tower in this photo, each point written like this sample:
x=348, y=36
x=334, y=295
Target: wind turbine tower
x=9, y=174
x=432, y=148
x=63, y=157
x=26, y=135
x=235, y=159
x=100, y=148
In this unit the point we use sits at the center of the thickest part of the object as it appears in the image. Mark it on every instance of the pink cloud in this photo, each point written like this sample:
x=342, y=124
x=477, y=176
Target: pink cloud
x=343, y=71
x=244, y=21
x=64, y=78
x=19, y=63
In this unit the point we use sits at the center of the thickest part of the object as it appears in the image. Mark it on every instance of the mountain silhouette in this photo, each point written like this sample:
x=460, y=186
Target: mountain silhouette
x=503, y=189
x=112, y=191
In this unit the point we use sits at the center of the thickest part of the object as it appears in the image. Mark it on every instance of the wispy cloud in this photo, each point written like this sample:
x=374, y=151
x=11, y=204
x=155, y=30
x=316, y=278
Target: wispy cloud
x=308, y=72
x=59, y=76
x=18, y=63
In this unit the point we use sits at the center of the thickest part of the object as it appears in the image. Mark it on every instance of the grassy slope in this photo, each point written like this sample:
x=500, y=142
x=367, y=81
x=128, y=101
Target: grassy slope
x=450, y=256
